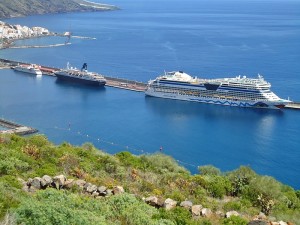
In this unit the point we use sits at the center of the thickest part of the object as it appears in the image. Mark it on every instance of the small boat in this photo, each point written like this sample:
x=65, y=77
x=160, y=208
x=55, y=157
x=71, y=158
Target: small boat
x=32, y=68
x=80, y=76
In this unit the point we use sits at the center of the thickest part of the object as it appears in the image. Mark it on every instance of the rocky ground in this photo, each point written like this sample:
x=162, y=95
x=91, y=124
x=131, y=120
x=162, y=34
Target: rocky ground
x=60, y=182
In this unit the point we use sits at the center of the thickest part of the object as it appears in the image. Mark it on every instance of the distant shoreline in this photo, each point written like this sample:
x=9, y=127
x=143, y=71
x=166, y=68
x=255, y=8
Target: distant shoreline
x=97, y=5
x=83, y=6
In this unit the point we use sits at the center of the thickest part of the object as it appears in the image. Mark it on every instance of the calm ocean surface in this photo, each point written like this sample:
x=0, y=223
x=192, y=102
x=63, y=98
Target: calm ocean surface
x=203, y=38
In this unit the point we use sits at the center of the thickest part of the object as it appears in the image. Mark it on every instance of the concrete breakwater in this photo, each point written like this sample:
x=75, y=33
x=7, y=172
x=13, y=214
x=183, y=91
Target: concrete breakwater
x=14, y=128
x=40, y=46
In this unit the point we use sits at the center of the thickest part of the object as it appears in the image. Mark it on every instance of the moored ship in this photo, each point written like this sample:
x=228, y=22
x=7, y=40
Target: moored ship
x=32, y=68
x=80, y=76
x=237, y=91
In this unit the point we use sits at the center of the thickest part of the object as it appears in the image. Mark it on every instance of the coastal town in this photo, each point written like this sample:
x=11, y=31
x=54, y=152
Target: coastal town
x=10, y=33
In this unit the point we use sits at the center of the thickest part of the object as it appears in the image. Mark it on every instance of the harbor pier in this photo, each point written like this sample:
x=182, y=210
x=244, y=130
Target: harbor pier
x=293, y=105
x=14, y=128
x=110, y=81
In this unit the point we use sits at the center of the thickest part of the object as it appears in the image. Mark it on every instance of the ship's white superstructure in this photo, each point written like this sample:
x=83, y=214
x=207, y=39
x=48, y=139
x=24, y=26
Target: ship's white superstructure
x=33, y=69
x=238, y=91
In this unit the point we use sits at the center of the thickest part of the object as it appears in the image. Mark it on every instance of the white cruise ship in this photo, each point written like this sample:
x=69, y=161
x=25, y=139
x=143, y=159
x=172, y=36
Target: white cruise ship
x=238, y=91
x=33, y=69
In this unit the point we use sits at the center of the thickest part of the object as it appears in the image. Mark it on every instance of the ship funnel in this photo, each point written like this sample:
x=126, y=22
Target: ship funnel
x=84, y=66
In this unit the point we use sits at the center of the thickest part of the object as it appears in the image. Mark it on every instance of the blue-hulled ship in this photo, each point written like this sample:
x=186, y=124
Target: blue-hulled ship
x=80, y=76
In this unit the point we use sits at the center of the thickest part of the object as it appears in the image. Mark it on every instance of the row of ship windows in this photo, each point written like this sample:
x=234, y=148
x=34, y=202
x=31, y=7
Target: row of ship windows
x=176, y=88
x=245, y=86
x=241, y=86
x=231, y=95
x=235, y=93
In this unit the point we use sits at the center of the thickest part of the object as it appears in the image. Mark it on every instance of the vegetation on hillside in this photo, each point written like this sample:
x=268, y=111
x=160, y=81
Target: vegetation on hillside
x=157, y=174
x=17, y=8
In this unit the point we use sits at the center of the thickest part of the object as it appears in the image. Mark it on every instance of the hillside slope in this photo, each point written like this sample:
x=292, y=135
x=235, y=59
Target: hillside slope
x=18, y=8
x=156, y=177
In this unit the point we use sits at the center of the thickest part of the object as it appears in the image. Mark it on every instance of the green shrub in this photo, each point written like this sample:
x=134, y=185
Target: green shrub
x=234, y=220
x=164, y=164
x=38, y=140
x=178, y=215
x=264, y=192
x=232, y=206
x=240, y=178
x=129, y=210
x=11, y=165
x=205, y=222
x=9, y=194
x=55, y=207
x=200, y=180
x=298, y=194
x=209, y=170
x=177, y=196
x=138, y=162
x=291, y=200
x=218, y=186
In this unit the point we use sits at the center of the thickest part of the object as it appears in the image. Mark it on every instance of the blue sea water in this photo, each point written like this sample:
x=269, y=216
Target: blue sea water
x=204, y=38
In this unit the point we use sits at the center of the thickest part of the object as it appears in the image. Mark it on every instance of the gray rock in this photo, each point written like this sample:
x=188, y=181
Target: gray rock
x=36, y=183
x=261, y=216
x=43, y=183
x=59, y=181
x=69, y=183
x=282, y=223
x=196, y=210
x=47, y=179
x=102, y=189
x=87, y=186
x=169, y=204
x=231, y=213
x=95, y=194
x=205, y=212
x=91, y=188
x=186, y=204
x=80, y=184
x=32, y=189
x=25, y=188
x=118, y=190
x=160, y=202
x=29, y=182
x=152, y=200
x=109, y=192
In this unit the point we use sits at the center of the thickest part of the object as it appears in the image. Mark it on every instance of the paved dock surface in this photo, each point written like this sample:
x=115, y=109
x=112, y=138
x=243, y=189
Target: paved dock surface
x=110, y=81
x=293, y=105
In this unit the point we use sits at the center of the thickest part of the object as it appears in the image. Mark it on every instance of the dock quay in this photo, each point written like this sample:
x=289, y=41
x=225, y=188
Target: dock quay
x=125, y=84
x=14, y=128
x=293, y=105
x=110, y=81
